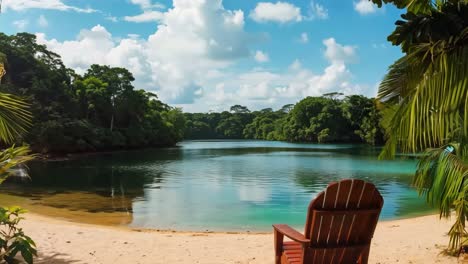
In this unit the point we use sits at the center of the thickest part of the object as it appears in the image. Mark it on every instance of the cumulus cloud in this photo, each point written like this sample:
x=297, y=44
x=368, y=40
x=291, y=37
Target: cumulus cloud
x=190, y=60
x=281, y=12
x=164, y=62
x=365, y=7
x=146, y=16
x=317, y=11
x=260, y=56
x=337, y=53
x=20, y=5
x=42, y=21
x=261, y=88
x=147, y=4
x=91, y=46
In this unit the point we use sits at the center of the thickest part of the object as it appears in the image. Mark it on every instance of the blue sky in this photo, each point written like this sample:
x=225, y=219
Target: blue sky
x=209, y=54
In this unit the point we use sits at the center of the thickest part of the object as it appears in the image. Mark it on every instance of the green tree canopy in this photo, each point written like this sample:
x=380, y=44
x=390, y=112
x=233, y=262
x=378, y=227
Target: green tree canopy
x=100, y=110
x=239, y=109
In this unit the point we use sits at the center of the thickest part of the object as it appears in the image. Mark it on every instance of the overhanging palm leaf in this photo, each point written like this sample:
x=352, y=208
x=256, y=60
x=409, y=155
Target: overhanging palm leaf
x=432, y=111
x=424, y=98
x=11, y=160
x=15, y=117
x=442, y=177
x=414, y=6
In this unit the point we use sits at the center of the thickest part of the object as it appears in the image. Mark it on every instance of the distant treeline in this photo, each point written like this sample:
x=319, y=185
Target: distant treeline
x=99, y=110
x=353, y=119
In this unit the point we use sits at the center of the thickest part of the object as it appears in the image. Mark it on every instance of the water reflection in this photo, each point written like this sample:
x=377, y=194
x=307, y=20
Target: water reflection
x=217, y=185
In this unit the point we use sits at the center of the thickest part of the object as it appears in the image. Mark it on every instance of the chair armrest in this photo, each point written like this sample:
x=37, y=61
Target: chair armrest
x=291, y=233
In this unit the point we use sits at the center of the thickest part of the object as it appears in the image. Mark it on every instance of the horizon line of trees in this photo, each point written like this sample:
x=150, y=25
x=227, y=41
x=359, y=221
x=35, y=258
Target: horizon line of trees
x=324, y=119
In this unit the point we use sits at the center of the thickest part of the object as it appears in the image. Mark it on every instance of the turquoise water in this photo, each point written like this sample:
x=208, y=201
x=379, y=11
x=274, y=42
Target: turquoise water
x=216, y=185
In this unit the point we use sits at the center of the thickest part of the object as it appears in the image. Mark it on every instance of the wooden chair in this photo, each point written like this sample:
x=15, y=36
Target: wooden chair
x=339, y=227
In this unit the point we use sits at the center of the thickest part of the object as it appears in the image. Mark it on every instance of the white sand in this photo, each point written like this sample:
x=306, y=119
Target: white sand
x=415, y=240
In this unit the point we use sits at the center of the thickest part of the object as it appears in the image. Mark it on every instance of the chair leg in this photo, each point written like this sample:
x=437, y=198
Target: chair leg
x=364, y=258
x=278, y=246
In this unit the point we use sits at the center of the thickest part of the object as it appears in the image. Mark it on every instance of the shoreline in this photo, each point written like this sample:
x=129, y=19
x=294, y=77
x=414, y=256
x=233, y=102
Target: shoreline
x=414, y=240
x=123, y=227
x=53, y=157
x=123, y=220
x=207, y=231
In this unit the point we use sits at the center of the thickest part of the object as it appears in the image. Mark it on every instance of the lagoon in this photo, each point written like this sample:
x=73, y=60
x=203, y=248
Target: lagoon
x=217, y=185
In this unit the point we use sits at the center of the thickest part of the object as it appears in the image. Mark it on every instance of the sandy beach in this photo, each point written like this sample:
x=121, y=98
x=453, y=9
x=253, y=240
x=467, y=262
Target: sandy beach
x=414, y=240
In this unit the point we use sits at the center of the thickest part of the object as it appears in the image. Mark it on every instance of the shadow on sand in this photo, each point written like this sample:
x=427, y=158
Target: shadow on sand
x=56, y=258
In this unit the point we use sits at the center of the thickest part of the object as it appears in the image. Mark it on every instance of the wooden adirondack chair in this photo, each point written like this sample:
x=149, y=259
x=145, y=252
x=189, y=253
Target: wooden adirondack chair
x=340, y=224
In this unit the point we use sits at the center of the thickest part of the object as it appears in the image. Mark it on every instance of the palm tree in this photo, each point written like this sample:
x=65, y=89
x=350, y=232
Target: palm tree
x=15, y=118
x=424, y=101
x=2, y=66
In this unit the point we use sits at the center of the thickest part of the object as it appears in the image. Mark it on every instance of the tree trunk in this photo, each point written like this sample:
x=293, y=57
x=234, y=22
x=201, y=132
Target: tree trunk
x=112, y=122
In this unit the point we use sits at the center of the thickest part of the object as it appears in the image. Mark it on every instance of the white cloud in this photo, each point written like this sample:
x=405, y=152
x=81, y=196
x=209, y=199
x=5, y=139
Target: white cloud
x=20, y=5
x=147, y=4
x=381, y=45
x=190, y=60
x=260, y=56
x=261, y=88
x=42, y=21
x=304, y=38
x=281, y=12
x=317, y=11
x=111, y=18
x=365, y=7
x=146, y=16
x=296, y=65
x=133, y=36
x=91, y=46
x=337, y=53
x=21, y=24
x=194, y=42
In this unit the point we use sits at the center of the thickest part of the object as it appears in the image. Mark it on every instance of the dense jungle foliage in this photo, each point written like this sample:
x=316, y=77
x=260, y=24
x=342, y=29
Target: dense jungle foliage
x=353, y=119
x=100, y=110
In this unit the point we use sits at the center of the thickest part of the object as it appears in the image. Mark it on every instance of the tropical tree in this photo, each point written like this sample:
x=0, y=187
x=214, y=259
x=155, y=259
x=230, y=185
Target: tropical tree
x=118, y=82
x=2, y=66
x=424, y=102
x=239, y=109
x=15, y=118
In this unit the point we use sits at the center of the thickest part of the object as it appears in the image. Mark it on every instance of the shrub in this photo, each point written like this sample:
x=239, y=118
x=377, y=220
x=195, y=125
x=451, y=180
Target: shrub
x=12, y=239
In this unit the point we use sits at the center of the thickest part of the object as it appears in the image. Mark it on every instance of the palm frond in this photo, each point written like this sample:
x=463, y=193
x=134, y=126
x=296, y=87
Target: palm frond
x=432, y=109
x=442, y=177
x=414, y=6
x=424, y=101
x=15, y=117
x=420, y=6
x=12, y=160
